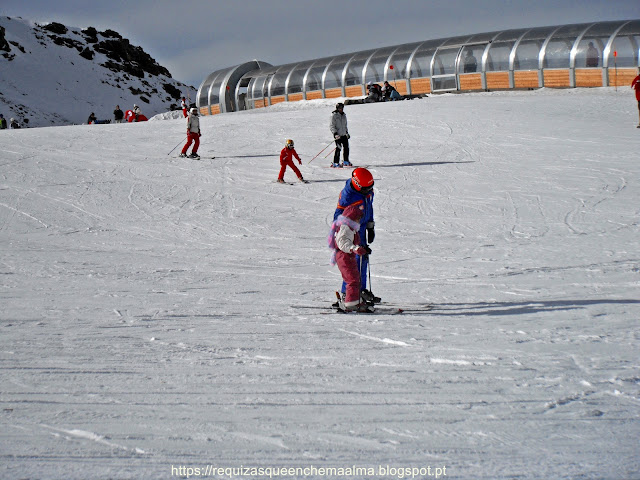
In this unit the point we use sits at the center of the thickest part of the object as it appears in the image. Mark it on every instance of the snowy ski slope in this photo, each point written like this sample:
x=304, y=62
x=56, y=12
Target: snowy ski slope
x=147, y=318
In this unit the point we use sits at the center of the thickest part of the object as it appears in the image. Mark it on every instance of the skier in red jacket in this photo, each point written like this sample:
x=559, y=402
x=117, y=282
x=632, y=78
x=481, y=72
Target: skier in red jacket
x=286, y=160
x=636, y=85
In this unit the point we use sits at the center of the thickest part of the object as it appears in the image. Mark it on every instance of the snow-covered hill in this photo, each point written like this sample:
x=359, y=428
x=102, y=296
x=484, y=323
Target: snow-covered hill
x=55, y=75
x=150, y=319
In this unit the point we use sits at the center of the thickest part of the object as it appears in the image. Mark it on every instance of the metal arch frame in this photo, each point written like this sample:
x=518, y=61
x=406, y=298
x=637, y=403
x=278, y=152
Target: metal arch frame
x=607, y=51
x=365, y=66
x=286, y=81
x=388, y=63
x=200, y=90
x=542, y=55
x=574, y=52
x=483, y=61
x=433, y=60
x=512, y=58
x=410, y=65
x=343, y=76
x=210, y=91
x=306, y=77
x=324, y=77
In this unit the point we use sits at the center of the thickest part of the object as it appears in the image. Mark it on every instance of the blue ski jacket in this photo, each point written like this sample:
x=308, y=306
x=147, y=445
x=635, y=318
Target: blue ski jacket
x=350, y=196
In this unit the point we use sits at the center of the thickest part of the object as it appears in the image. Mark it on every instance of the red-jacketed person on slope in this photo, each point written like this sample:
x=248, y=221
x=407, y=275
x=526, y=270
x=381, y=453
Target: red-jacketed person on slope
x=345, y=241
x=636, y=85
x=286, y=160
x=193, y=134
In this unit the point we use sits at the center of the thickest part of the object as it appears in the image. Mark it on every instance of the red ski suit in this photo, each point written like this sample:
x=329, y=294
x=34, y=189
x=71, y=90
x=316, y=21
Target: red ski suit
x=636, y=85
x=286, y=160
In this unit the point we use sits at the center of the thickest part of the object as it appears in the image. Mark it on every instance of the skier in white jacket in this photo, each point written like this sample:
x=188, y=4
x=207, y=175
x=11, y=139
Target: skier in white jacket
x=193, y=134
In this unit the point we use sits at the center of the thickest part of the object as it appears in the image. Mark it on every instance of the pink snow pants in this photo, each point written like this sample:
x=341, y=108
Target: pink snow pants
x=349, y=269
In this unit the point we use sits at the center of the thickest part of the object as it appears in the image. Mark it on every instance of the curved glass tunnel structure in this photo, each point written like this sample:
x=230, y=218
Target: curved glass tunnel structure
x=564, y=56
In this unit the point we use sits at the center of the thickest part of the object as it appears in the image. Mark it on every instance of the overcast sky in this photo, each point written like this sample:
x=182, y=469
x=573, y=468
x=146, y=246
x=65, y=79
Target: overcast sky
x=194, y=38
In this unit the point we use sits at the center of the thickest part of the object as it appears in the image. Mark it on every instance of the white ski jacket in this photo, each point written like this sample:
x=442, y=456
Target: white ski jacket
x=193, y=123
x=345, y=238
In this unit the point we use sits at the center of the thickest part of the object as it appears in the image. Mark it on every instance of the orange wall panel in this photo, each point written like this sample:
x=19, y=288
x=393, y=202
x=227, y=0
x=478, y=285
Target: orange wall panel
x=497, y=80
x=204, y=110
x=526, y=79
x=333, y=93
x=354, y=91
x=624, y=77
x=315, y=95
x=420, y=85
x=400, y=86
x=588, y=77
x=295, y=97
x=278, y=99
x=471, y=81
x=556, y=78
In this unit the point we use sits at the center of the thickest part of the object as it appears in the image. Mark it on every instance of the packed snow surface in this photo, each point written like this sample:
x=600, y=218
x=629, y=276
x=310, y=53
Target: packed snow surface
x=151, y=319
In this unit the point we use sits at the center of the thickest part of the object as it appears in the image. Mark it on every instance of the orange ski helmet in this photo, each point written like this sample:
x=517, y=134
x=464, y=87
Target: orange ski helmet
x=362, y=180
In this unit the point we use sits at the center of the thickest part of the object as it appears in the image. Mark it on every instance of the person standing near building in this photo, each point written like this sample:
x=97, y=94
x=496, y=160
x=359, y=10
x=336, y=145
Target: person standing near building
x=359, y=191
x=118, y=115
x=636, y=85
x=286, y=160
x=340, y=131
x=3, y=122
x=470, y=62
x=193, y=134
x=593, y=57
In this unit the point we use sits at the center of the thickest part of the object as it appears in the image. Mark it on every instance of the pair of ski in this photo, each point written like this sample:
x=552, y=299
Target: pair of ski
x=293, y=183
x=195, y=158
x=382, y=308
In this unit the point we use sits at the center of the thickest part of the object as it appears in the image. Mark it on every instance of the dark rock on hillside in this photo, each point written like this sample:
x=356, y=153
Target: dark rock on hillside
x=55, y=27
x=131, y=59
x=91, y=34
x=4, y=45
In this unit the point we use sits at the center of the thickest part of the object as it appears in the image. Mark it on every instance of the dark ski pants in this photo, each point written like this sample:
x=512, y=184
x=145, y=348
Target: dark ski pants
x=342, y=143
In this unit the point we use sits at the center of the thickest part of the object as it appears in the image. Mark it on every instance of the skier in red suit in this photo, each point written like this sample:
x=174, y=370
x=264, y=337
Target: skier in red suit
x=286, y=160
x=636, y=85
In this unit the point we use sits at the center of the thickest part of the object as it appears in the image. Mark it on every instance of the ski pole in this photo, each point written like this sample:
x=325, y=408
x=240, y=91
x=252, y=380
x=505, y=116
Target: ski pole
x=330, y=152
x=369, y=270
x=320, y=152
x=175, y=147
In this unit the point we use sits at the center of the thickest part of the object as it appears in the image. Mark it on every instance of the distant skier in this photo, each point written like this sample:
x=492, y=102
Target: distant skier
x=338, y=127
x=346, y=243
x=118, y=115
x=636, y=85
x=193, y=134
x=184, y=106
x=3, y=122
x=286, y=160
x=136, y=112
x=359, y=191
x=92, y=119
x=14, y=123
